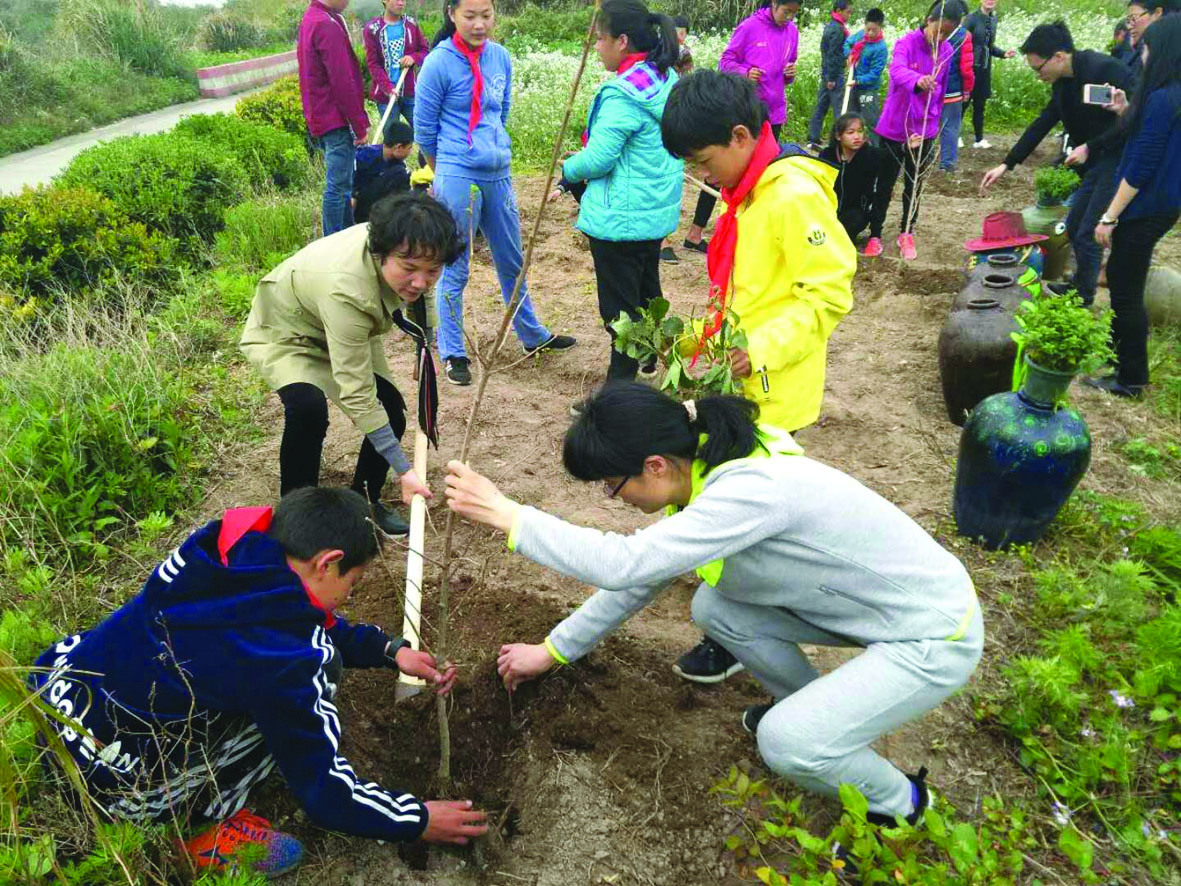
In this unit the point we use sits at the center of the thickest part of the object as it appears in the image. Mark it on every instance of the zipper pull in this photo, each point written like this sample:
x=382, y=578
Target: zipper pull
x=766, y=384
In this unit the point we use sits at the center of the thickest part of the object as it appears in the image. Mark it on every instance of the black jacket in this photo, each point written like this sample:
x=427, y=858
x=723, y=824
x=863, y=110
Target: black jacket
x=832, y=53
x=1085, y=124
x=863, y=183
x=982, y=27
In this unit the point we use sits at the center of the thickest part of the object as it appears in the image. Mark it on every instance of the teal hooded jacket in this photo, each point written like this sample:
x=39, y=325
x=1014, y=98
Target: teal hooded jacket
x=633, y=184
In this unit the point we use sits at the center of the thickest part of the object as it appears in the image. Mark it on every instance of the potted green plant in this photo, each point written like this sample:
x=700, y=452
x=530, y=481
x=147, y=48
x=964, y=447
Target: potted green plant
x=1054, y=184
x=689, y=365
x=1057, y=339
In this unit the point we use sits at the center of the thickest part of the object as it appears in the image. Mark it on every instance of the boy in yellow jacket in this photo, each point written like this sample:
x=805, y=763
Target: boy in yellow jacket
x=779, y=258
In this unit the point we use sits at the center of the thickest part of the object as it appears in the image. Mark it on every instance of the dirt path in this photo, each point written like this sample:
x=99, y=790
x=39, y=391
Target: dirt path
x=600, y=773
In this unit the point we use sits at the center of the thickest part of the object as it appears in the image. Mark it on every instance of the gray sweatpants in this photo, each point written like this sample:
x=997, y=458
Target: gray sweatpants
x=819, y=731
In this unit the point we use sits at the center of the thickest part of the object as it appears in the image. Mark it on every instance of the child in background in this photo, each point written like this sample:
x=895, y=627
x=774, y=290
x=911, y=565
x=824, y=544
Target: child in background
x=380, y=170
x=914, y=104
x=862, y=199
x=684, y=62
x=831, y=91
x=161, y=701
x=779, y=258
x=633, y=185
x=393, y=43
x=961, y=79
x=867, y=52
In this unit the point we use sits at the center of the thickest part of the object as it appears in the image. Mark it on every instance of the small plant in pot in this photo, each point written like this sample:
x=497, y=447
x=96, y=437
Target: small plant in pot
x=1054, y=184
x=1057, y=339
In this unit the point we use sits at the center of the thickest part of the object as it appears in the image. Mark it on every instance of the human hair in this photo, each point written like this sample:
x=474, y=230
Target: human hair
x=842, y=126
x=623, y=424
x=413, y=224
x=1150, y=6
x=397, y=132
x=1047, y=39
x=321, y=518
x=680, y=21
x=875, y=17
x=703, y=109
x=1163, y=39
x=948, y=11
x=839, y=5
x=650, y=32
x=1121, y=27
x=765, y=4
x=447, y=28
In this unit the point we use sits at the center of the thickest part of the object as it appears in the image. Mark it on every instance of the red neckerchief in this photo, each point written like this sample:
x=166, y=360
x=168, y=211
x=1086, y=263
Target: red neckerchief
x=840, y=18
x=630, y=61
x=720, y=258
x=855, y=55
x=473, y=60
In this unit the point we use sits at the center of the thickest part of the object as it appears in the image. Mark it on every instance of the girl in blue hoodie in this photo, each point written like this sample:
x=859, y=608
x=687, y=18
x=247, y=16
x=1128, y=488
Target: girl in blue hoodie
x=463, y=98
x=633, y=185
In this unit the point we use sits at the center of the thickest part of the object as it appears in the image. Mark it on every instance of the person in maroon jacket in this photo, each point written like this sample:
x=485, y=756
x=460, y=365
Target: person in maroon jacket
x=394, y=42
x=333, y=96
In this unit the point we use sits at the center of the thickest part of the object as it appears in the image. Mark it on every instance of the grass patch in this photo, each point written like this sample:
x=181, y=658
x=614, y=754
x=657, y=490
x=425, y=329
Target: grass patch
x=195, y=59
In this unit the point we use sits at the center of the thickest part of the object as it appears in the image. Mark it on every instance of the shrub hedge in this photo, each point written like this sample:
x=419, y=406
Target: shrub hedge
x=278, y=105
x=66, y=238
x=271, y=157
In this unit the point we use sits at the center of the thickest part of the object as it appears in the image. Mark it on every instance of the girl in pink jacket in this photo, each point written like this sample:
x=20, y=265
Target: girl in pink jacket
x=909, y=123
x=763, y=48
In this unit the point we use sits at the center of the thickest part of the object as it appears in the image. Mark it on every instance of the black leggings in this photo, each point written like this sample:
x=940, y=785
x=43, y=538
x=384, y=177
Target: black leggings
x=914, y=165
x=627, y=273
x=1132, y=243
x=305, y=424
x=854, y=221
x=978, y=102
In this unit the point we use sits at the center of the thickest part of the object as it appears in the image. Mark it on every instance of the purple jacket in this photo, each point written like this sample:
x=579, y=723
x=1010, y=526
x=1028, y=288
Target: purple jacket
x=330, y=81
x=908, y=110
x=758, y=42
x=375, y=47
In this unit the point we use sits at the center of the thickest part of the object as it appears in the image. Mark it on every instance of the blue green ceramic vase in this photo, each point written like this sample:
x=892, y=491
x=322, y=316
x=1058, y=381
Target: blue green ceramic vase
x=1020, y=459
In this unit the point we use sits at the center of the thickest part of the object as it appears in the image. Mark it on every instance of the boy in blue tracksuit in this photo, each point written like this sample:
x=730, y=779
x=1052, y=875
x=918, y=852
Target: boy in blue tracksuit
x=166, y=718
x=867, y=52
x=380, y=170
x=464, y=139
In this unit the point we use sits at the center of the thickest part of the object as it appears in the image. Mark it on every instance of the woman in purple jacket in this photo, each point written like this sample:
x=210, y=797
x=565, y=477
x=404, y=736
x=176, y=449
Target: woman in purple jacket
x=909, y=123
x=394, y=42
x=763, y=48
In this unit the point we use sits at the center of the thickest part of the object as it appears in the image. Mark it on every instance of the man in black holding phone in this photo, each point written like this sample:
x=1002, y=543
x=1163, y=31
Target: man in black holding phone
x=1093, y=128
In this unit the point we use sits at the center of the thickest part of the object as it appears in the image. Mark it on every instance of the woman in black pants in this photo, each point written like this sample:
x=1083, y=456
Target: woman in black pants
x=1146, y=204
x=862, y=185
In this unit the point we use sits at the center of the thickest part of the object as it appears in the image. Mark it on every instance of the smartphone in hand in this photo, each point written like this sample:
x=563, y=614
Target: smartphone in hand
x=1097, y=94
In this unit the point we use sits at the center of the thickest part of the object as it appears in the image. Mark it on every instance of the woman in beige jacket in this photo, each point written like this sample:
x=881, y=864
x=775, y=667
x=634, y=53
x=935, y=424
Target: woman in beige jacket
x=316, y=331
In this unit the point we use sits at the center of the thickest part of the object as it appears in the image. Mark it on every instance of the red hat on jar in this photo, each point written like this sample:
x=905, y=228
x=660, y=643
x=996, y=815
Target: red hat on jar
x=1003, y=230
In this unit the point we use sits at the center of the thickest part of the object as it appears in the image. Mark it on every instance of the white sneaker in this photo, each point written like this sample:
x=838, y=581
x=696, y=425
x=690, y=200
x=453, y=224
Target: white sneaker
x=983, y=143
x=961, y=143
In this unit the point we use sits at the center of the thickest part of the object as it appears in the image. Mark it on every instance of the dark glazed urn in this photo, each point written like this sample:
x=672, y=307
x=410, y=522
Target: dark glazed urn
x=976, y=353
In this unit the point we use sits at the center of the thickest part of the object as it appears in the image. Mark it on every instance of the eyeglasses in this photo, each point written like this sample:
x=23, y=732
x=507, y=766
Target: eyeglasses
x=1133, y=17
x=614, y=492
x=1037, y=69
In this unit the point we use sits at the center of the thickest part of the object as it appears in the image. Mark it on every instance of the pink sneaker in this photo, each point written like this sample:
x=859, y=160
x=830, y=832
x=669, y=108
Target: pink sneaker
x=874, y=247
x=906, y=247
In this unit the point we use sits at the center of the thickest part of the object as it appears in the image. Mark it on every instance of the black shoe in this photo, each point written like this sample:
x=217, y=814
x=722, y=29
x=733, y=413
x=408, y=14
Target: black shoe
x=389, y=521
x=669, y=257
x=1111, y=384
x=707, y=662
x=553, y=343
x=701, y=246
x=753, y=715
x=920, y=782
x=458, y=370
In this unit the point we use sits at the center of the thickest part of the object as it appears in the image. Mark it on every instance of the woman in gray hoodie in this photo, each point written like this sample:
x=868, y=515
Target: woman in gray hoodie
x=789, y=551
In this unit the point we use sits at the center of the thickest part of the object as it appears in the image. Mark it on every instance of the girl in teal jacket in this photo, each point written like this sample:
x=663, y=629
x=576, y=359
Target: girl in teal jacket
x=633, y=193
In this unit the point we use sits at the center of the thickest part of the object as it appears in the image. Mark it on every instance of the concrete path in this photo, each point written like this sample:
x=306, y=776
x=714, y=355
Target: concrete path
x=38, y=165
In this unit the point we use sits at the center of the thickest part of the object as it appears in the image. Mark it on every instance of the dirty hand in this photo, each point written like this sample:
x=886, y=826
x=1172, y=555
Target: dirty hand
x=412, y=486
x=476, y=497
x=406, y=61
x=739, y=363
x=755, y=74
x=553, y=195
x=453, y=821
x=1103, y=234
x=1077, y=156
x=992, y=176
x=421, y=664
x=519, y=662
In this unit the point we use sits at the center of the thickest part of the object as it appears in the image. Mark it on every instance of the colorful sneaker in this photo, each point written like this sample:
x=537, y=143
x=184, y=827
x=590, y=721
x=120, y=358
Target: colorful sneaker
x=707, y=662
x=218, y=848
x=906, y=247
x=874, y=247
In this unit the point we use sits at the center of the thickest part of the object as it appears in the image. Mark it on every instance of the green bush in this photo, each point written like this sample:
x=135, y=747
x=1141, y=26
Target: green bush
x=136, y=33
x=261, y=233
x=279, y=105
x=172, y=183
x=226, y=32
x=269, y=156
x=59, y=239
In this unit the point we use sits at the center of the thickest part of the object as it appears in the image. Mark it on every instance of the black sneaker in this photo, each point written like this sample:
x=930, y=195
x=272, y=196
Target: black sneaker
x=920, y=782
x=753, y=715
x=701, y=246
x=458, y=370
x=553, y=343
x=1111, y=385
x=389, y=521
x=707, y=662
x=669, y=257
